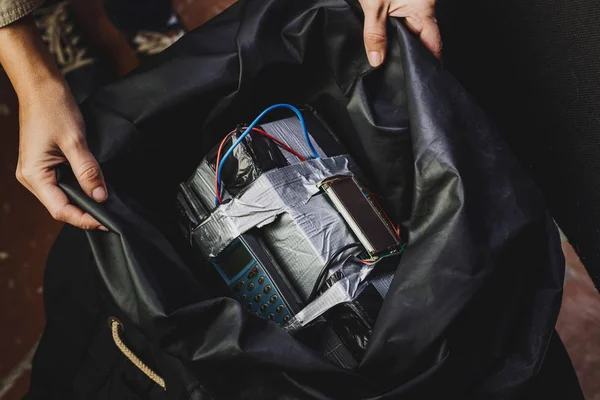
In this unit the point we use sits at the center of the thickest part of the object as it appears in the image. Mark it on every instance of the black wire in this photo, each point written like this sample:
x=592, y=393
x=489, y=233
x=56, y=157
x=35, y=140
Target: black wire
x=318, y=282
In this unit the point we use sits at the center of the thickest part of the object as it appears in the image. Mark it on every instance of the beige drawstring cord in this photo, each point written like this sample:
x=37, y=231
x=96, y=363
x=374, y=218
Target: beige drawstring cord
x=116, y=328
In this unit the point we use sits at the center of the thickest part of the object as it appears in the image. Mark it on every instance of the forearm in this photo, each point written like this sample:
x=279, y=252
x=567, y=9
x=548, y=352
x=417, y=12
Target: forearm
x=51, y=128
x=28, y=62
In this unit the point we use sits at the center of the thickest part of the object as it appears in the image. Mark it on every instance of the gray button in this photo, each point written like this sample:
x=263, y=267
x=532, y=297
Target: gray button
x=253, y=273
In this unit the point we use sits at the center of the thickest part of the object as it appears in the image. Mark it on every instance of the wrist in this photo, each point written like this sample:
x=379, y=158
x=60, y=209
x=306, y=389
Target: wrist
x=42, y=87
x=28, y=63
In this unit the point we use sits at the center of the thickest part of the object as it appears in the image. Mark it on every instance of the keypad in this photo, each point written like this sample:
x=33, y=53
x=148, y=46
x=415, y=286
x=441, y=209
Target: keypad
x=260, y=296
x=253, y=273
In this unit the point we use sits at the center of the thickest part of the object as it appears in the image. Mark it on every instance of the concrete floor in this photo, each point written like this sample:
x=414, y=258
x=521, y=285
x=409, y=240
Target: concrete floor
x=27, y=232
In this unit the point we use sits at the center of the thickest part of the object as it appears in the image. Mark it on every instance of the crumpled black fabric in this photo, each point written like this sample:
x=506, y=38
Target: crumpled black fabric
x=472, y=308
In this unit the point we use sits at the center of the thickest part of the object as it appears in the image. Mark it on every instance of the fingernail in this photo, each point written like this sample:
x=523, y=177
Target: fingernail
x=103, y=228
x=99, y=194
x=375, y=58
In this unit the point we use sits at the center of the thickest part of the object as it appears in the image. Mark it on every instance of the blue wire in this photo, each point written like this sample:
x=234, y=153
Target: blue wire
x=249, y=129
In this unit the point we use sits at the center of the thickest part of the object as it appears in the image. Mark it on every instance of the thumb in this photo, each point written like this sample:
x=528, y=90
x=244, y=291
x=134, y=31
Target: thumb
x=431, y=38
x=375, y=31
x=87, y=171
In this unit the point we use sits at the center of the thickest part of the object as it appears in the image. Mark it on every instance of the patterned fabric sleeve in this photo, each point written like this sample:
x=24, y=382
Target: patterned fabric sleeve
x=12, y=10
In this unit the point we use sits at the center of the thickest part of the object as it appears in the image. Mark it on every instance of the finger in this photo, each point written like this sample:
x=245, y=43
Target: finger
x=431, y=38
x=86, y=170
x=57, y=203
x=375, y=31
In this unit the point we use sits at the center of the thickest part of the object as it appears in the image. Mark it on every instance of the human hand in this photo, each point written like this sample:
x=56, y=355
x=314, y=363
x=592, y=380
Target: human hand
x=420, y=19
x=52, y=132
x=51, y=127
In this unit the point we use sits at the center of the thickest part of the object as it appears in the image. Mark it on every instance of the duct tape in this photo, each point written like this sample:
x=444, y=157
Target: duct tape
x=274, y=193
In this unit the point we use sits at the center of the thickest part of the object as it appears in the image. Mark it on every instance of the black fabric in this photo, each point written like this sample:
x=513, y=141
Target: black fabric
x=77, y=357
x=533, y=66
x=73, y=306
x=471, y=311
x=555, y=380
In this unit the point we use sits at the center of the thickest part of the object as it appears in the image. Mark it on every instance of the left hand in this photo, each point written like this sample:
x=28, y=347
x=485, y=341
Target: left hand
x=419, y=16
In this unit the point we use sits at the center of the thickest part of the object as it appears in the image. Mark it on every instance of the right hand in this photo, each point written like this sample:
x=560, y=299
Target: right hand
x=419, y=17
x=52, y=132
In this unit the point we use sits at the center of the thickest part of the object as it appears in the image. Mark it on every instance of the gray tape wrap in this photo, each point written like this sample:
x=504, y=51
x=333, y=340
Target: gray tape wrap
x=272, y=194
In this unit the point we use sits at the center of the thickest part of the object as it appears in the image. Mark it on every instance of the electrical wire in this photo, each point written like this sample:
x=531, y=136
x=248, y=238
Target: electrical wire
x=274, y=139
x=280, y=144
x=250, y=128
x=320, y=278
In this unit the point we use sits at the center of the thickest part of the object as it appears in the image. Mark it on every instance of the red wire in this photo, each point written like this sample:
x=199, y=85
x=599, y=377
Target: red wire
x=279, y=143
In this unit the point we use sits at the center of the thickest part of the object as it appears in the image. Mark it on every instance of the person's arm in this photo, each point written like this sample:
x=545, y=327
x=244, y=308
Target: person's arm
x=419, y=16
x=51, y=127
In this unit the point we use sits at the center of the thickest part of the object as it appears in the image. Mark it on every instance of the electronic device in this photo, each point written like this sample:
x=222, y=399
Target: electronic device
x=293, y=241
x=363, y=215
x=272, y=269
x=255, y=279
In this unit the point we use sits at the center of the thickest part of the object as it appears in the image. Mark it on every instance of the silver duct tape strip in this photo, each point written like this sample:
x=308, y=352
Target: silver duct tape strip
x=246, y=169
x=345, y=290
x=290, y=132
x=304, y=238
x=382, y=283
x=334, y=349
x=203, y=185
x=274, y=193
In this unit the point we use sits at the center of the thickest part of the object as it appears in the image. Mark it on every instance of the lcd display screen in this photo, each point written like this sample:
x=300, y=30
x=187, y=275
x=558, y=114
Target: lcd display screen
x=235, y=259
